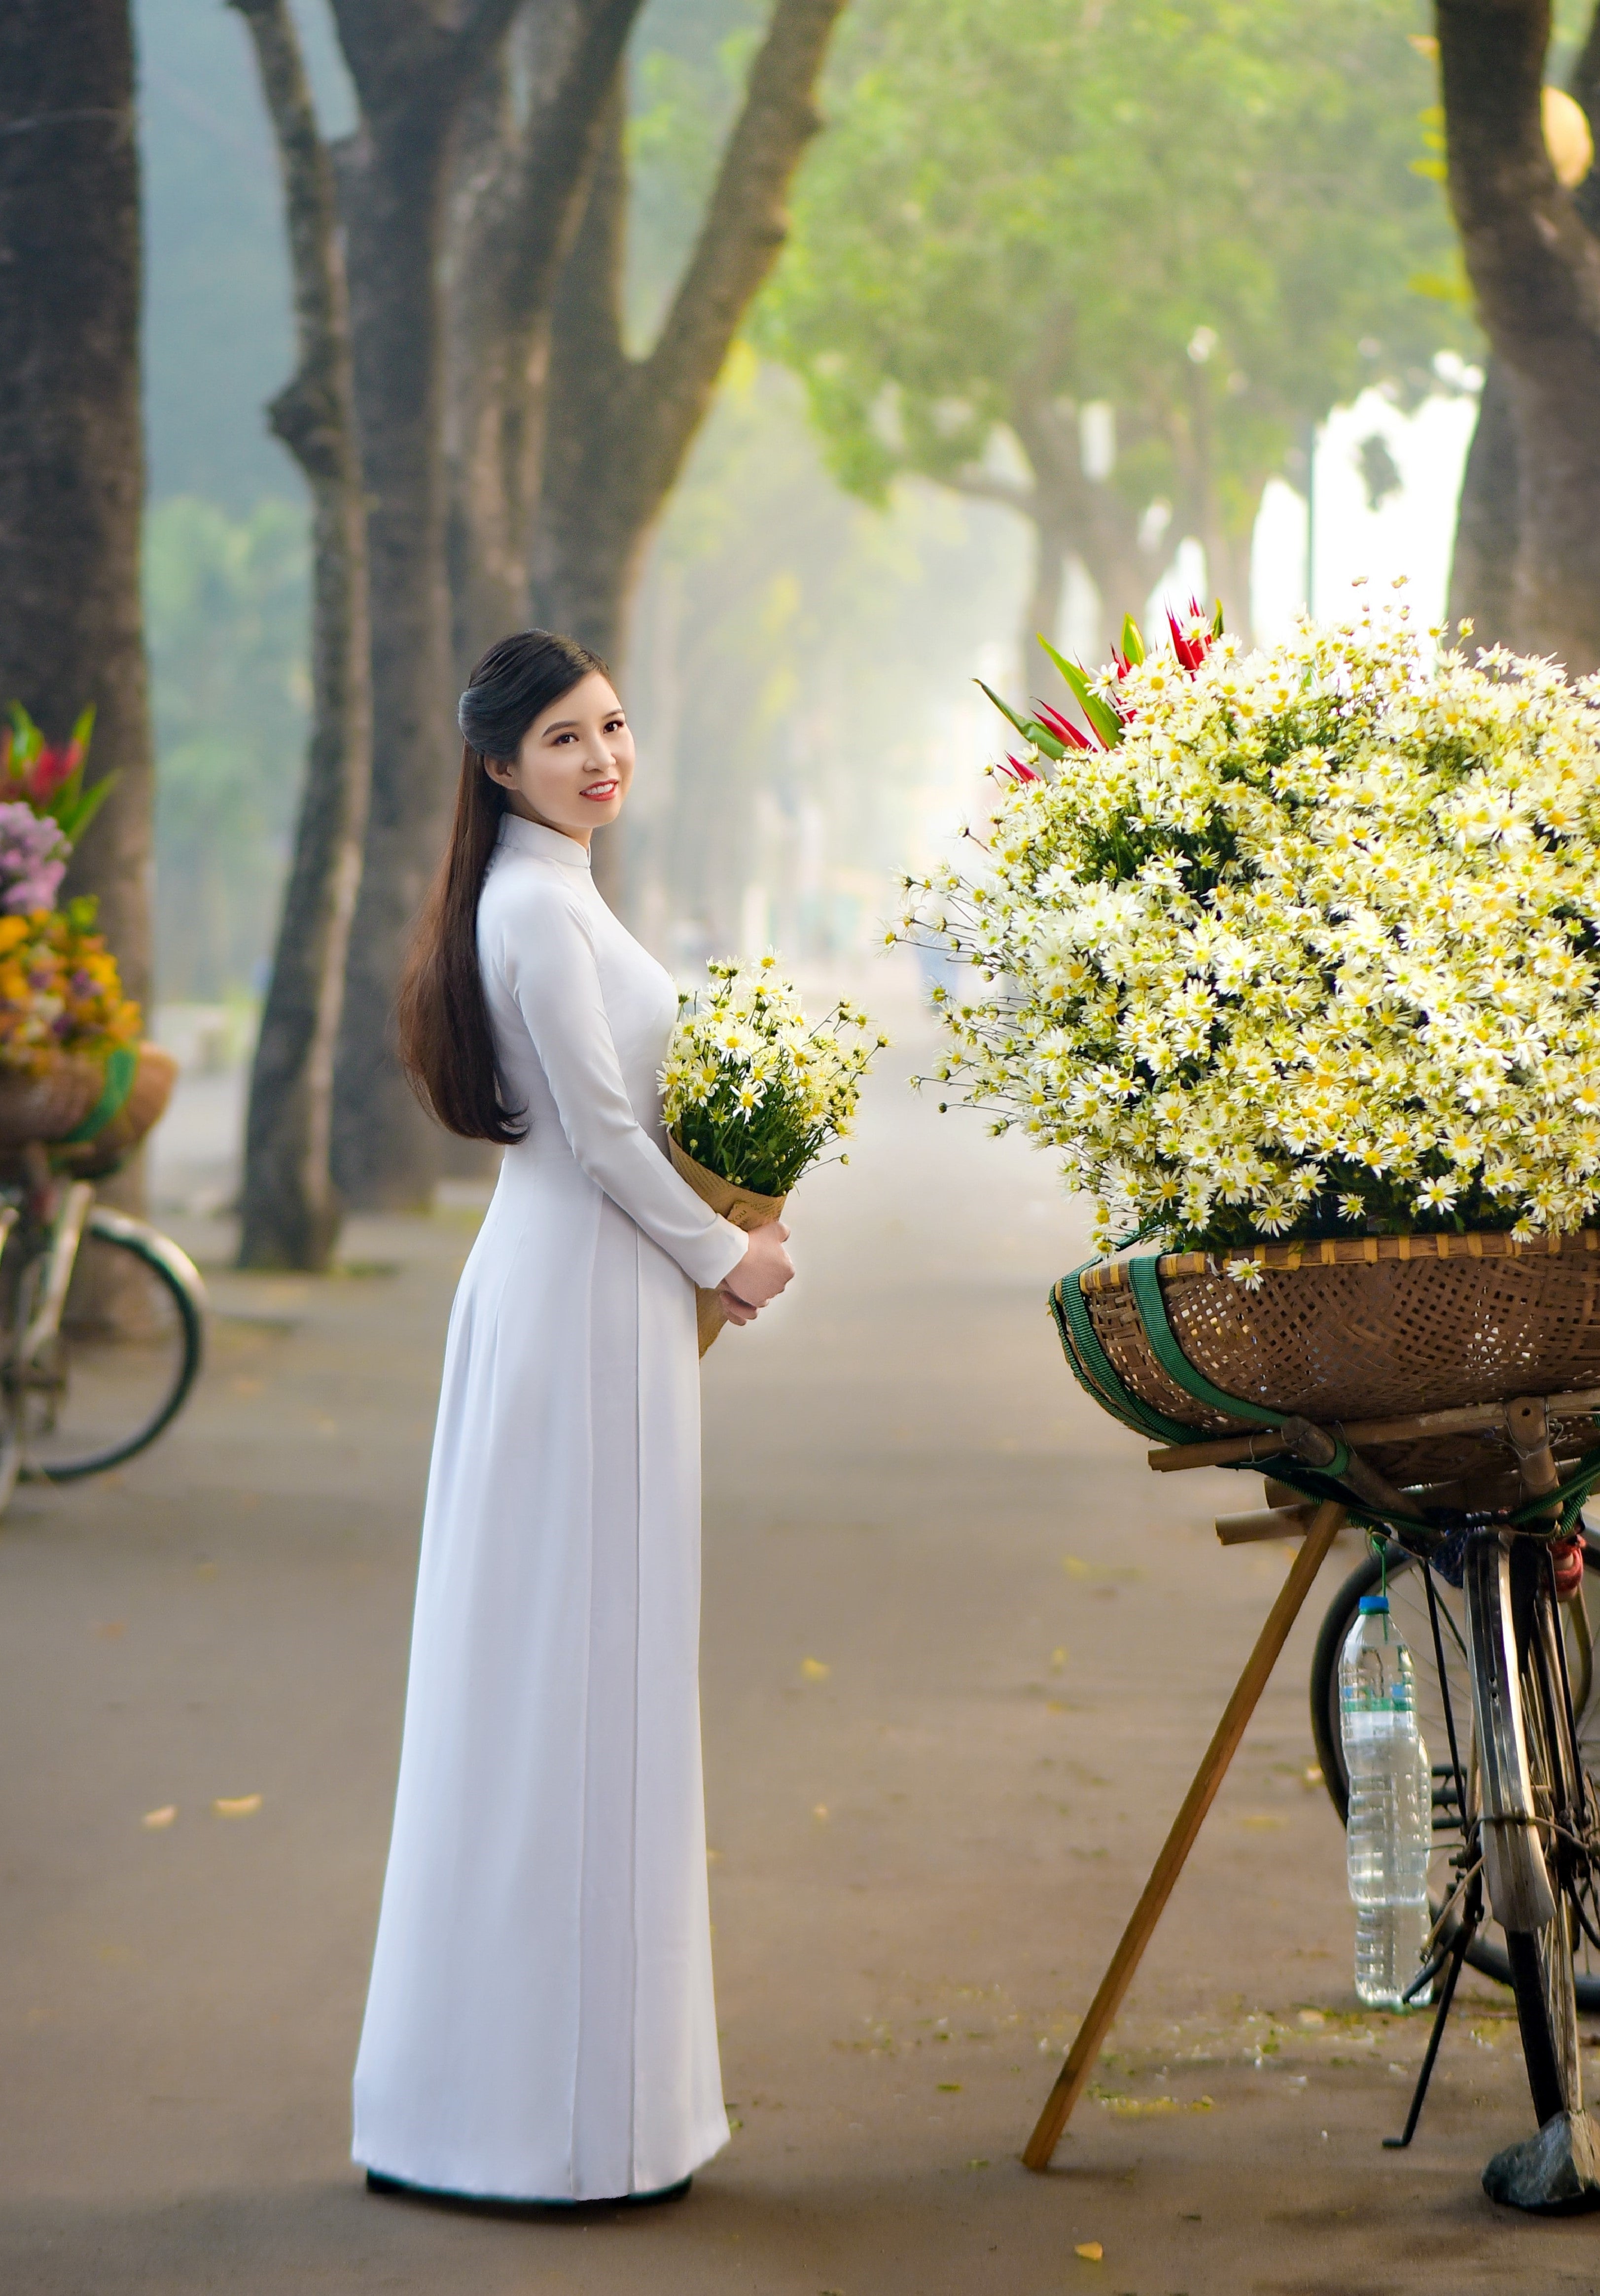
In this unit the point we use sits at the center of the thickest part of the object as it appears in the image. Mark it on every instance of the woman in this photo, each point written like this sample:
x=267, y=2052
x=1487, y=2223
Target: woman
x=540, y=2023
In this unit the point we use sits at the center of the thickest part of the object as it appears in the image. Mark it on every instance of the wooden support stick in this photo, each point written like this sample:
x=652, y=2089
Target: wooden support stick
x=1271, y=1522
x=1186, y=1828
x=1471, y=1418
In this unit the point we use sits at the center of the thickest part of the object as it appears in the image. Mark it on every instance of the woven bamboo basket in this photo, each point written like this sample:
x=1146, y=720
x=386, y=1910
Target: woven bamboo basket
x=140, y=1112
x=1375, y=1328
x=48, y=1106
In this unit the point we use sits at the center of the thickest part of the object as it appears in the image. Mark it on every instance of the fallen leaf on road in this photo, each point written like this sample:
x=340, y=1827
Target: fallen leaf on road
x=820, y=1810
x=241, y=1806
x=950, y=2088
x=814, y=1669
x=155, y=1819
x=112, y=1630
x=1090, y=2251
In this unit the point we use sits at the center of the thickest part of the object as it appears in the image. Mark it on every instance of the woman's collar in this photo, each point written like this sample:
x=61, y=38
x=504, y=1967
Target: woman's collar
x=525, y=836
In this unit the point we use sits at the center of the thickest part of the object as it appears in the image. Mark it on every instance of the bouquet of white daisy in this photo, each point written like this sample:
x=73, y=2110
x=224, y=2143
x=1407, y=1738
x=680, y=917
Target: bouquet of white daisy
x=1296, y=944
x=753, y=1094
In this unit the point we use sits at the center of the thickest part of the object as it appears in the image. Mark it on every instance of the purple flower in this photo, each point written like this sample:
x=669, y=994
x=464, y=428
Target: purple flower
x=33, y=858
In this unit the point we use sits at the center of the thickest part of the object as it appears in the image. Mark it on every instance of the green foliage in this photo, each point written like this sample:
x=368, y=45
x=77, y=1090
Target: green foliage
x=226, y=606
x=50, y=779
x=1209, y=218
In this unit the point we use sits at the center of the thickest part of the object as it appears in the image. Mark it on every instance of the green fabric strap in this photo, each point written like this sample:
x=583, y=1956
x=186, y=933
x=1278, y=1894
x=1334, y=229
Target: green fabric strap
x=1145, y=1276
x=121, y=1066
x=1094, y=1371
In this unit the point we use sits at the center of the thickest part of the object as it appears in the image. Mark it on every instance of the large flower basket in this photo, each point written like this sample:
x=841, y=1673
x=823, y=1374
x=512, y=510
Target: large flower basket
x=90, y=1113
x=742, y=1206
x=51, y=1103
x=1357, y=1330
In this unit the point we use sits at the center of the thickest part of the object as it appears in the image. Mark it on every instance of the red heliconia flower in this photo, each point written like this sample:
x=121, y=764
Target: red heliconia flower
x=1017, y=771
x=1192, y=646
x=51, y=769
x=1061, y=727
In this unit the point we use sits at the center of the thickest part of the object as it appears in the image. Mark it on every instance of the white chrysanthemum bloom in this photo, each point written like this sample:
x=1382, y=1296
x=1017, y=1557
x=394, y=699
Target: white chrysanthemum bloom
x=1318, y=942
x=753, y=1089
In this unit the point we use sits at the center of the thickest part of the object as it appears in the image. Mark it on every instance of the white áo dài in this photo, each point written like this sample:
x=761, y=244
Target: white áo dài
x=1390, y=1828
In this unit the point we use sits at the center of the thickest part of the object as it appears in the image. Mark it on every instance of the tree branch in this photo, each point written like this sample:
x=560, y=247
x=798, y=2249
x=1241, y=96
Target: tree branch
x=745, y=225
x=990, y=486
x=311, y=413
x=533, y=212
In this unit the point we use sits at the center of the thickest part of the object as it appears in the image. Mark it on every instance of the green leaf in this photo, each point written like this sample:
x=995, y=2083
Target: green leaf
x=1100, y=714
x=1004, y=707
x=28, y=740
x=1042, y=738
x=1133, y=645
x=75, y=806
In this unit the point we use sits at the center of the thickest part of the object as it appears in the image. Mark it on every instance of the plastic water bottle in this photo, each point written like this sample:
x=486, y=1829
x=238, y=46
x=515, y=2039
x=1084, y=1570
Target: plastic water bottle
x=1389, y=1831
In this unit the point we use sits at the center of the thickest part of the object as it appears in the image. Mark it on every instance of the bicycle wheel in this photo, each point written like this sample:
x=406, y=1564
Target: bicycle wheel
x=124, y=1359
x=1409, y=1603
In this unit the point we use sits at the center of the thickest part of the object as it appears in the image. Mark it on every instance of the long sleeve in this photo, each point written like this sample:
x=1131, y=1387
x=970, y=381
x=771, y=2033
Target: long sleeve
x=546, y=959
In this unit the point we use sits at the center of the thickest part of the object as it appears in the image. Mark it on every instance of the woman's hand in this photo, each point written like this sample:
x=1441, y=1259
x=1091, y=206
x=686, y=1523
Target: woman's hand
x=759, y=1277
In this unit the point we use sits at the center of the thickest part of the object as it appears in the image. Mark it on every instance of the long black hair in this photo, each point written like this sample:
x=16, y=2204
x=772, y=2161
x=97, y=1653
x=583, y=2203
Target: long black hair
x=445, y=1047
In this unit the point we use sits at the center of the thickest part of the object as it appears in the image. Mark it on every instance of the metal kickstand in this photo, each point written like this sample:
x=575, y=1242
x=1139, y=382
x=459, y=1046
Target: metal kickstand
x=1472, y=1913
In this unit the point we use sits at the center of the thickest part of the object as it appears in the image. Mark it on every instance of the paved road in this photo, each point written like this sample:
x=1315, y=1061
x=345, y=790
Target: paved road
x=960, y=1653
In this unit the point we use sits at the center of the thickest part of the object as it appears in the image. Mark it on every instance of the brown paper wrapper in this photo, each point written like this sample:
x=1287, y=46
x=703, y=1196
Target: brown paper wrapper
x=741, y=1206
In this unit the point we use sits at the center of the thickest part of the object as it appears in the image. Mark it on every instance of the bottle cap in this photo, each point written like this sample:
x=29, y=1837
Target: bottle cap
x=1374, y=1603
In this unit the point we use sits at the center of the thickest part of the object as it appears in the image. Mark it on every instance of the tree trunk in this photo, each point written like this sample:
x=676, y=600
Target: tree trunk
x=289, y=1208
x=618, y=429
x=72, y=438
x=590, y=533
x=386, y=1151
x=522, y=186
x=1483, y=563
x=1487, y=535
x=1536, y=270
x=1072, y=515
x=413, y=69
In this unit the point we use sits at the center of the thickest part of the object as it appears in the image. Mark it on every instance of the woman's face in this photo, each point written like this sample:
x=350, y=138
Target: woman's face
x=575, y=765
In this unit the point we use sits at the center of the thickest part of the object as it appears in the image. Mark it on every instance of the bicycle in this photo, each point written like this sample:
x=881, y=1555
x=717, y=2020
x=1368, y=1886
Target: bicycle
x=1509, y=1711
x=101, y=1329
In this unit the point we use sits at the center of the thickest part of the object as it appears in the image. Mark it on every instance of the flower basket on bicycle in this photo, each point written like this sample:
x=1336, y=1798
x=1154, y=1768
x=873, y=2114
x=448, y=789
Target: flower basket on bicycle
x=100, y=1318
x=1295, y=960
x=1351, y=1332
x=90, y=1114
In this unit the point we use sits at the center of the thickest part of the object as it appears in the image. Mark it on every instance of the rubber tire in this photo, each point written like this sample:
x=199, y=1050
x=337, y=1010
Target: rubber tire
x=1540, y=2052
x=182, y=1279
x=1484, y=1955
